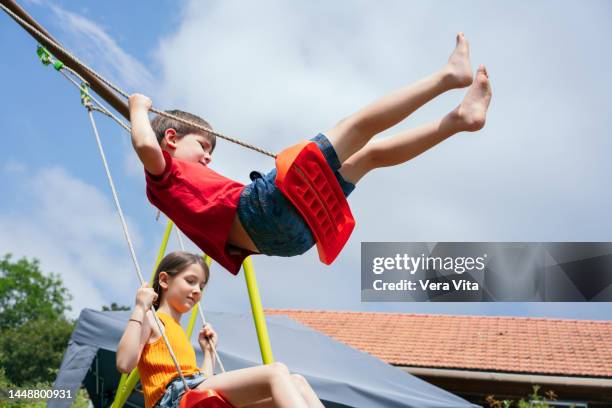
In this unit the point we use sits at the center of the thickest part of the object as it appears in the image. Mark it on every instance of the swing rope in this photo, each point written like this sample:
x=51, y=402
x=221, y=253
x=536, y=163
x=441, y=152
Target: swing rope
x=97, y=106
x=126, y=95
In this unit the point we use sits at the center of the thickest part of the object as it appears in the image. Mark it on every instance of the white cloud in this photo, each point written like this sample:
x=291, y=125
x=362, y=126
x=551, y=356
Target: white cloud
x=95, y=47
x=74, y=230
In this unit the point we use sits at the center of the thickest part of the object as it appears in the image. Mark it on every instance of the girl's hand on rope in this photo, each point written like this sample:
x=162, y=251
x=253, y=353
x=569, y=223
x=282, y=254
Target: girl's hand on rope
x=207, y=338
x=139, y=101
x=145, y=297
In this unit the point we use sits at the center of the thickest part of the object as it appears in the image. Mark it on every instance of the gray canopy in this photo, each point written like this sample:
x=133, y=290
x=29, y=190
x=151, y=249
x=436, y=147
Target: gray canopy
x=340, y=375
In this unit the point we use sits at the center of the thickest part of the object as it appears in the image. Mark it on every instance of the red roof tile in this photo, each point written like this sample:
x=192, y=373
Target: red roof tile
x=504, y=344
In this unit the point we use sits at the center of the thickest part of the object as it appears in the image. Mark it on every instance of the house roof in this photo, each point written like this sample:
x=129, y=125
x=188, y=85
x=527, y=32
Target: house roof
x=503, y=344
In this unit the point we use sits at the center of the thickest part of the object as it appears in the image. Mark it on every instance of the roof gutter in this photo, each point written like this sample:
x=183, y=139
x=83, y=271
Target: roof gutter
x=509, y=377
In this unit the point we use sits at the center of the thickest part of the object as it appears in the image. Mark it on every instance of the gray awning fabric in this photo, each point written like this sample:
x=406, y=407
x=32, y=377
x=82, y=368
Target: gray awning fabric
x=339, y=374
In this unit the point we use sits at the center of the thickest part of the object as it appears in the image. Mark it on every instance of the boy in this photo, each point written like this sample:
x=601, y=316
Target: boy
x=229, y=221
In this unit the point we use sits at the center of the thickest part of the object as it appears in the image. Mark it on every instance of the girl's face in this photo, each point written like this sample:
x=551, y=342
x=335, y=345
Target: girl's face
x=185, y=289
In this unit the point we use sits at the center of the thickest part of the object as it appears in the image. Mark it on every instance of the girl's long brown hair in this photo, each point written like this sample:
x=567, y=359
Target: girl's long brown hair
x=175, y=263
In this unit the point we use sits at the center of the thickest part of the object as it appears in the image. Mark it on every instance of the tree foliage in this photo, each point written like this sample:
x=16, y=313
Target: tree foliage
x=33, y=351
x=81, y=400
x=26, y=294
x=534, y=400
x=34, y=332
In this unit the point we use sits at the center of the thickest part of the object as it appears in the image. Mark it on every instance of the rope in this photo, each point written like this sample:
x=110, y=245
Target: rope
x=125, y=95
x=201, y=312
x=99, y=107
x=47, y=58
x=115, y=196
x=87, y=104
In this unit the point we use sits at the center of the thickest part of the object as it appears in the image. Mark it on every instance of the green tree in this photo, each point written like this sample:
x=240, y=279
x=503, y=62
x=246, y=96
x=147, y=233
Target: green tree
x=26, y=294
x=81, y=400
x=34, y=332
x=33, y=351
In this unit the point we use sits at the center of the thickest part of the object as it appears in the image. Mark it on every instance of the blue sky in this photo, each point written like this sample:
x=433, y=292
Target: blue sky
x=274, y=72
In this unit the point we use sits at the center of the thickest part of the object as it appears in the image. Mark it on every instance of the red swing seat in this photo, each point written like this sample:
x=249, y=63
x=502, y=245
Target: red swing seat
x=203, y=399
x=305, y=178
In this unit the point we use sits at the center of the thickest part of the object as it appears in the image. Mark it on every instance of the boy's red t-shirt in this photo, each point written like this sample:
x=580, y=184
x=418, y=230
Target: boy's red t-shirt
x=202, y=204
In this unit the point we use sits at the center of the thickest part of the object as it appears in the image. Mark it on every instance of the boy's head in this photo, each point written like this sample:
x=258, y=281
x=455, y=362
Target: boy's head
x=183, y=141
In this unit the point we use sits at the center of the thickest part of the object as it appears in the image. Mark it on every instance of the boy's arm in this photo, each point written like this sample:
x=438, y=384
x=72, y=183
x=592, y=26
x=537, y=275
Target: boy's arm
x=143, y=137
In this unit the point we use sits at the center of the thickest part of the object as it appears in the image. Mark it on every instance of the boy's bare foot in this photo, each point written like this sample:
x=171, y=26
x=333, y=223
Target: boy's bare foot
x=471, y=113
x=458, y=71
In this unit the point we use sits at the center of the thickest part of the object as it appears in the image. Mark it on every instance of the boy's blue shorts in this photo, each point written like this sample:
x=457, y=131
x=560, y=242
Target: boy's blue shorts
x=175, y=390
x=273, y=223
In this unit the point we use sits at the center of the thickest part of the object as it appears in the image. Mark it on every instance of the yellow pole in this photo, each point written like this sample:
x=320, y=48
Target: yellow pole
x=162, y=249
x=128, y=386
x=127, y=383
x=258, y=314
x=121, y=384
x=192, y=320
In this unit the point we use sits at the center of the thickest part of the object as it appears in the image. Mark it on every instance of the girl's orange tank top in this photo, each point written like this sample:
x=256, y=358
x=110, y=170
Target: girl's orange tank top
x=155, y=365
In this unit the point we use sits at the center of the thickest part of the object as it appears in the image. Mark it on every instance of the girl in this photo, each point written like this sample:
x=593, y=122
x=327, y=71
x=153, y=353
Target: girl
x=178, y=284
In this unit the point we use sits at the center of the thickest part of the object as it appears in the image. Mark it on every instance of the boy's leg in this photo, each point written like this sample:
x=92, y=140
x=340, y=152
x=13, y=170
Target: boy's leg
x=352, y=133
x=468, y=116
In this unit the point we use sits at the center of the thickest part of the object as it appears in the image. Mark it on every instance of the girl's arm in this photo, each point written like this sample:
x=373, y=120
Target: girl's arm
x=143, y=137
x=208, y=339
x=137, y=332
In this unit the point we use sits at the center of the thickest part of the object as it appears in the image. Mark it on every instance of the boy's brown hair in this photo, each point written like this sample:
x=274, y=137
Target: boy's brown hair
x=161, y=123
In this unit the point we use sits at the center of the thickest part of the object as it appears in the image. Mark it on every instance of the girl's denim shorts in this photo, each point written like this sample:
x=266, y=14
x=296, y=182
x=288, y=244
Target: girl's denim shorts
x=274, y=225
x=174, y=390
